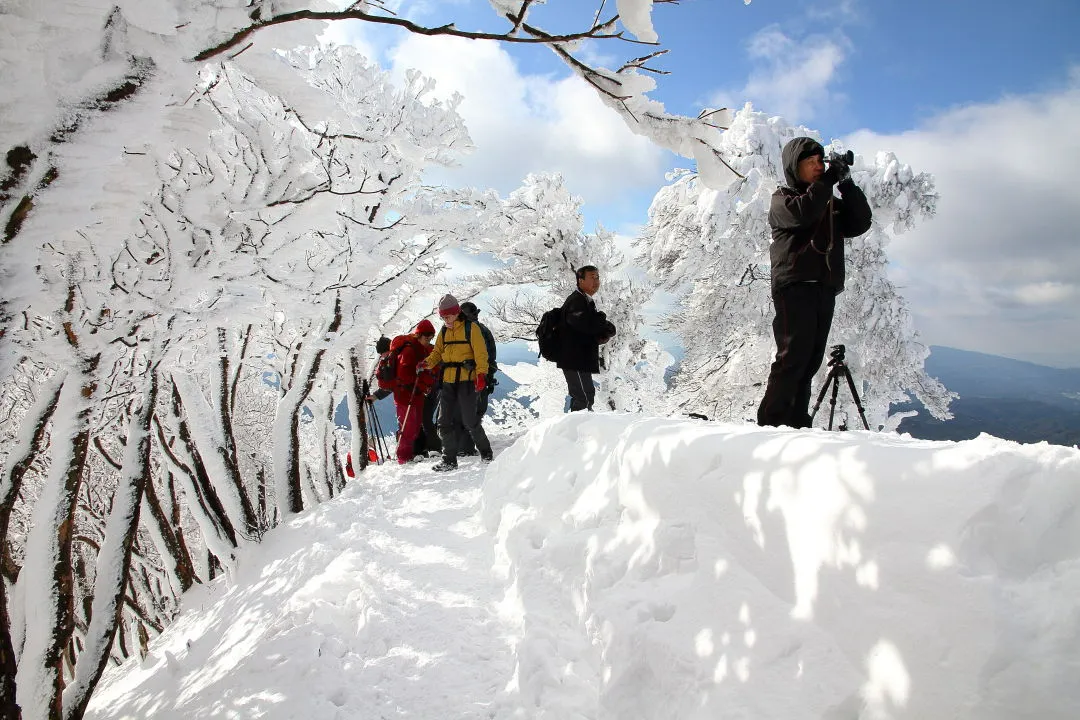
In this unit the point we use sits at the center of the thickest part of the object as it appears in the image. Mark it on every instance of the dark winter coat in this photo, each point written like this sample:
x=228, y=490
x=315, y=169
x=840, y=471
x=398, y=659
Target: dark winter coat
x=583, y=330
x=802, y=249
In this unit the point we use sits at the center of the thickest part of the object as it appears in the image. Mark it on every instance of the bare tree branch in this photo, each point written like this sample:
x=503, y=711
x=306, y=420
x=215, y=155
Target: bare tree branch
x=534, y=35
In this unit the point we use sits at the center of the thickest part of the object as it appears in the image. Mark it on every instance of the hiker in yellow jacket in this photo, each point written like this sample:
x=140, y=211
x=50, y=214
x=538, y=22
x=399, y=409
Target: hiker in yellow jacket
x=462, y=352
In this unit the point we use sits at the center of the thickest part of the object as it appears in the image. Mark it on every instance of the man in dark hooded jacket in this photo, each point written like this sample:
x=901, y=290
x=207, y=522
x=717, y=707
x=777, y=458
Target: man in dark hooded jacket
x=808, y=226
x=583, y=330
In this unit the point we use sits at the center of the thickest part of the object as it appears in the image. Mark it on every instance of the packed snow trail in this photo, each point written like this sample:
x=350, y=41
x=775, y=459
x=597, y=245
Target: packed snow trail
x=377, y=604
x=614, y=566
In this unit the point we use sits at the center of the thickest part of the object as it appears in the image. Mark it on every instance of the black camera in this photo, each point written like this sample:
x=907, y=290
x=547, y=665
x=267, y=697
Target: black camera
x=837, y=355
x=847, y=158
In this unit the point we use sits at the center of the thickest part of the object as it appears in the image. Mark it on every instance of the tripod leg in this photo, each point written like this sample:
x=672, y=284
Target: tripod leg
x=855, y=396
x=832, y=398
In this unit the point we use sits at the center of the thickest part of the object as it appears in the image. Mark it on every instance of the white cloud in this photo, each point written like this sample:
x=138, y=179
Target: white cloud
x=791, y=77
x=532, y=123
x=835, y=11
x=998, y=269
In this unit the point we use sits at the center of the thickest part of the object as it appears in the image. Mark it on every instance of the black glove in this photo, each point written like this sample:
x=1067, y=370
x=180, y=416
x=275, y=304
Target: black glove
x=837, y=173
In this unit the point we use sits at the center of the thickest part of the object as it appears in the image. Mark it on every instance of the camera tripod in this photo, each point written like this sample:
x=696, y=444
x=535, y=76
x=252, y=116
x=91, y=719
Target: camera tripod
x=839, y=367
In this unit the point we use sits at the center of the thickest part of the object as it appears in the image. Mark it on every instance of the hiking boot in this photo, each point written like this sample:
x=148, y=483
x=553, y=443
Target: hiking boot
x=445, y=466
x=487, y=456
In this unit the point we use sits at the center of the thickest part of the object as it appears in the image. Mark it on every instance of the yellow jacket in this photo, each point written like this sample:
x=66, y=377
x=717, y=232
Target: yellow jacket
x=450, y=347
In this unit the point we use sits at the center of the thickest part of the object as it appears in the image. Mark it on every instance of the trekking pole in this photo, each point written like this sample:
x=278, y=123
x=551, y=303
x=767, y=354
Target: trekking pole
x=372, y=432
x=412, y=396
x=376, y=433
x=382, y=435
x=365, y=418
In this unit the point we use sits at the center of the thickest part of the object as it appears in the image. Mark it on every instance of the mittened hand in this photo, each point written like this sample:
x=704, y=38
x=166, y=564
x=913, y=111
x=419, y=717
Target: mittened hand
x=481, y=382
x=838, y=172
x=843, y=172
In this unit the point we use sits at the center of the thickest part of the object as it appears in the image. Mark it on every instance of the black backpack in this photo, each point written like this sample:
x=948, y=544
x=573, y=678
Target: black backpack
x=492, y=350
x=547, y=334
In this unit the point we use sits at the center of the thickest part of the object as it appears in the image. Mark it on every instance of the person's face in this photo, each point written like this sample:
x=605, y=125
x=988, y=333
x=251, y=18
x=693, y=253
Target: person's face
x=811, y=168
x=425, y=340
x=590, y=283
x=448, y=319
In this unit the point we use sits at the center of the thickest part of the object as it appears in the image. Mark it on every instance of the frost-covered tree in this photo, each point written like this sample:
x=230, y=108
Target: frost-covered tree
x=301, y=229
x=540, y=244
x=152, y=238
x=711, y=247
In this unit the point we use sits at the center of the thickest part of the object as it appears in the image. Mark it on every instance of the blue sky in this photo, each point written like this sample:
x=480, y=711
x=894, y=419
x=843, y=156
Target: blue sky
x=984, y=95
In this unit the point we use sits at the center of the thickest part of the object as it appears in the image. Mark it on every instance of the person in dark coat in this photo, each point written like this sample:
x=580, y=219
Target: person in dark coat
x=583, y=330
x=809, y=225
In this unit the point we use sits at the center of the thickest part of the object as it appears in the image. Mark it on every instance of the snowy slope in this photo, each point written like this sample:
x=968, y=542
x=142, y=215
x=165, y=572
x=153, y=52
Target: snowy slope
x=617, y=566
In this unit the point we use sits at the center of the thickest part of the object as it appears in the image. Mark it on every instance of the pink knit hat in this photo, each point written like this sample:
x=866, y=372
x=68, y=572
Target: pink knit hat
x=448, y=305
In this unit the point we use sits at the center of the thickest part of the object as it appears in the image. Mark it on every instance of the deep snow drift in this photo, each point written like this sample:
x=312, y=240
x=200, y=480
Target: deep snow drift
x=618, y=566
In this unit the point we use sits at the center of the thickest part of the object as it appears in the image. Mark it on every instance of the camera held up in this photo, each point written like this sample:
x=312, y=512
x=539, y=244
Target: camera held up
x=847, y=158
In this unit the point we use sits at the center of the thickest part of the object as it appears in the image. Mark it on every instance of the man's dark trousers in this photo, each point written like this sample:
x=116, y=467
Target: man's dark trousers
x=457, y=404
x=804, y=314
x=465, y=443
x=581, y=388
x=428, y=440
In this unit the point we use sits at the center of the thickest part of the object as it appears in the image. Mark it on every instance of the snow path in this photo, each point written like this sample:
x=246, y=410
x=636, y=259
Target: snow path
x=381, y=603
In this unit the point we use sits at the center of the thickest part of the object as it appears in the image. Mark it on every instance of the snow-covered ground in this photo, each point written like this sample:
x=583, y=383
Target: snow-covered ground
x=619, y=566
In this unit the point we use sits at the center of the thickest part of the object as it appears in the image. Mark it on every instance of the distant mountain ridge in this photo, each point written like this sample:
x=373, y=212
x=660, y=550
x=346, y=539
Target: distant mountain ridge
x=1010, y=399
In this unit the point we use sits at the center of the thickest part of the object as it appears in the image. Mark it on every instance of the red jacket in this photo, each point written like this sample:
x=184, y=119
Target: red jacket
x=411, y=353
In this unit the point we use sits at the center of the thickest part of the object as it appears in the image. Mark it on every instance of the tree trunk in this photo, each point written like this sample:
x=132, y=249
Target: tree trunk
x=30, y=443
x=357, y=391
x=40, y=676
x=172, y=549
x=260, y=483
x=114, y=559
x=289, y=480
x=223, y=397
x=202, y=484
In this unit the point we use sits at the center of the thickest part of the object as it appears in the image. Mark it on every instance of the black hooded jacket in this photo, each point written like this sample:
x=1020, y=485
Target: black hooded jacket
x=583, y=330
x=802, y=249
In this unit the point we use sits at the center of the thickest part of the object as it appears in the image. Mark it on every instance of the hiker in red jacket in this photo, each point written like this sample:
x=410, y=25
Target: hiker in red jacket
x=409, y=387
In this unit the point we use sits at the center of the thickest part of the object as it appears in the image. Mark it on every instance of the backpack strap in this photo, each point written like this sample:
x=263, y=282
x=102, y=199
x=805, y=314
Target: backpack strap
x=468, y=335
x=466, y=341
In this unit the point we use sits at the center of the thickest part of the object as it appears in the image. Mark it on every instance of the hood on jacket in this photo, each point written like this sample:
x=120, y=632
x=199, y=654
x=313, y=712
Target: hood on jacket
x=793, y=153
